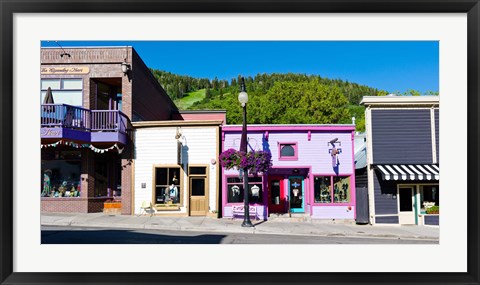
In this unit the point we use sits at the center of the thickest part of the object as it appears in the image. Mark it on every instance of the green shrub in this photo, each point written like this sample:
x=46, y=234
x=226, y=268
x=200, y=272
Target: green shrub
x=433, y=210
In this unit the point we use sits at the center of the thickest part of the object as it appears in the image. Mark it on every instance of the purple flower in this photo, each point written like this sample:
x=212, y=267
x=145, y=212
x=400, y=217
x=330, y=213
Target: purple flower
x=255, y=161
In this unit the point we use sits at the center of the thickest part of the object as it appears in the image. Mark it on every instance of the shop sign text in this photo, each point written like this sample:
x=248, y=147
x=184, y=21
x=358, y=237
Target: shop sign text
x=49, y=132
x=65, y=70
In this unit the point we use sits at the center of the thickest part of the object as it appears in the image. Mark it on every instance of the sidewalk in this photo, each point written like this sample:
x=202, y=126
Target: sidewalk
x=205, y=224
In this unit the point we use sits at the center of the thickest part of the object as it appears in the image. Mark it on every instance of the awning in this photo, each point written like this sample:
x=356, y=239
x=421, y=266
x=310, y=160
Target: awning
x=409, y=171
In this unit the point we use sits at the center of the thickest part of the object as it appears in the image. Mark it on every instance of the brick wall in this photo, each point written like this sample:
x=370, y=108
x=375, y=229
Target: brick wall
x=127, y=183
x=102, y=63
x=141, y=94
x=75, y=205
x=85, y=55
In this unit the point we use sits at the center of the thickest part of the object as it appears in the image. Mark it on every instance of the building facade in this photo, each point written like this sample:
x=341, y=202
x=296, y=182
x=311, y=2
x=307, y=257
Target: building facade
x=403, y=159
x=313, y=172
x=89, y=97
x=176, y=167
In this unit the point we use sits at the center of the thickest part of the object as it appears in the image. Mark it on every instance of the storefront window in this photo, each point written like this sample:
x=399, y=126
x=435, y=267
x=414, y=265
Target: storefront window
x=341, y=189
x=167, y=185
x=61, y=174
x=64, y=91
x=235, y=190
x=429, y=197
x=323, y=189
x=287, y=151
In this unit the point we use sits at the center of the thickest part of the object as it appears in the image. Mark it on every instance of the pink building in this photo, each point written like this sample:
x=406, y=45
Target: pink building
x=313, y=172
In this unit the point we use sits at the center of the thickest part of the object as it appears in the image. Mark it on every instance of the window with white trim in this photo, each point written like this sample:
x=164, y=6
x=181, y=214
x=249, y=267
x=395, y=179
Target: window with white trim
x=64, y=90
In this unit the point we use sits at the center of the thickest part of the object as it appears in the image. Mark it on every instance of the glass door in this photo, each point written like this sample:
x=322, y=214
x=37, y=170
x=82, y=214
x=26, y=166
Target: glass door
x=296, y=194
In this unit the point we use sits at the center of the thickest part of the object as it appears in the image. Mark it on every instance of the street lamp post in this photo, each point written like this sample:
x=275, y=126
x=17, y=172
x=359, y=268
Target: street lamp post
x=243, y=99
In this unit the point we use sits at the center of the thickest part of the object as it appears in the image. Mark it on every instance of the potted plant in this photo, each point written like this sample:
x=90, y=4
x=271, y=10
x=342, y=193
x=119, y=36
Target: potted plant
x=435, y=210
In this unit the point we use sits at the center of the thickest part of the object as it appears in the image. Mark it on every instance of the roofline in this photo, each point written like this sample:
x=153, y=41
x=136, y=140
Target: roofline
x=296, y=127
x=87, y=47
x=176, y=123
x=400, y=100
x=199, y=111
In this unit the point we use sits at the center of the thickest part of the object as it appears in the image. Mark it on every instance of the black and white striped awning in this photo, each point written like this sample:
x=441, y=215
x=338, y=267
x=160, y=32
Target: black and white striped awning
x=409, y=171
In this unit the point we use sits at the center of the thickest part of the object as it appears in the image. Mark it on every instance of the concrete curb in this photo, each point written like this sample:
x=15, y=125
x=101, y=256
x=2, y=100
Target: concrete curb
x=230, y=229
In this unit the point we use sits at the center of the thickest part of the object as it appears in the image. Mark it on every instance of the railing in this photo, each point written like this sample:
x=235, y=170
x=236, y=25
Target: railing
x=109, y=120
x=66, y=116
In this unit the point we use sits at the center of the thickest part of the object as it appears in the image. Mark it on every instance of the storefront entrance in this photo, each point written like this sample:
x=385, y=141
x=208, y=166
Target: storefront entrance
x=198, y=196
x=406, y=205
x=296, y=194
x=276, y=195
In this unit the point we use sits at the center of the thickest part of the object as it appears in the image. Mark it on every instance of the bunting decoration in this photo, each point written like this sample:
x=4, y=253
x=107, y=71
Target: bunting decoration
x=76, y=145
x=102, y=150
x=51, y=145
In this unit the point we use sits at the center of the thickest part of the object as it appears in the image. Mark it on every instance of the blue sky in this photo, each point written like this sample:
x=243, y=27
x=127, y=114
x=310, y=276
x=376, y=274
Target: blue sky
x=388, y=65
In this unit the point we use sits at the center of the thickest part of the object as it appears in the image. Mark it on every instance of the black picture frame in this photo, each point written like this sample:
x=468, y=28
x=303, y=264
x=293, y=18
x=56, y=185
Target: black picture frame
x=10, y=7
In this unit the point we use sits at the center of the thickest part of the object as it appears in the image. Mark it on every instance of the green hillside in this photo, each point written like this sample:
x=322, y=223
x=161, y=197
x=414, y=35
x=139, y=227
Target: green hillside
x=189, y=99
x=277, y=98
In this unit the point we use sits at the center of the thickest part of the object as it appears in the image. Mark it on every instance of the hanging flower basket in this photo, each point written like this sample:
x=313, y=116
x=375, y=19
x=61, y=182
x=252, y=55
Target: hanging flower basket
x=255, y=161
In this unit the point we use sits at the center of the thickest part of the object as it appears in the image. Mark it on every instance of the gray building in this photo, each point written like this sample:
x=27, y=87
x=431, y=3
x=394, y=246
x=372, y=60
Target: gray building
x=402, y=159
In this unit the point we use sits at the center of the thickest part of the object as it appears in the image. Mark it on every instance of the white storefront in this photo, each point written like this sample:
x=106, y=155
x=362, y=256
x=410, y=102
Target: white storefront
x=176, y=168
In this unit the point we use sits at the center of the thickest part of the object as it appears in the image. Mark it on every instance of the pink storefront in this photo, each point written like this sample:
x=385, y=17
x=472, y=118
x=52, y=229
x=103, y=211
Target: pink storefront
x=313, y=172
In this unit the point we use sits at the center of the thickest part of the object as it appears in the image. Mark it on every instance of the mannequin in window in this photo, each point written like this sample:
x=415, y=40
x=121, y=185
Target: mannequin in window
x=46, y=183
x=172, y=193
x=235, y=194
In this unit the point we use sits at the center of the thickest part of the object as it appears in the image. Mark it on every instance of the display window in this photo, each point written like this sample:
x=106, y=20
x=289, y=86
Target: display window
x=341, y=189
x=429, y=199
x=332, y=189
x=235, y=190
x=167, y=185
x=323, y=189
x=60, y=175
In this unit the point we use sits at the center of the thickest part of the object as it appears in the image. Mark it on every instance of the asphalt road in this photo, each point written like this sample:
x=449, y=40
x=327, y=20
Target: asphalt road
x=78, y=235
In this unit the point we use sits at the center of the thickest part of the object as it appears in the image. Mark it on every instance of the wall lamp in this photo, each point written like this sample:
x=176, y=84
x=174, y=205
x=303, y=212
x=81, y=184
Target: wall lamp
x=125, y=67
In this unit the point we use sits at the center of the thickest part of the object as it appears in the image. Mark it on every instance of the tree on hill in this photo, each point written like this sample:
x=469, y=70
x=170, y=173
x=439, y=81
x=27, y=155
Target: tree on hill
x=207, y=93
x=307, y=102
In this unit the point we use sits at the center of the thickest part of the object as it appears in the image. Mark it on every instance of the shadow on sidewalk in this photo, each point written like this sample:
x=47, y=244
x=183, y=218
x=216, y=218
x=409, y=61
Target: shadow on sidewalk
x=122, y=237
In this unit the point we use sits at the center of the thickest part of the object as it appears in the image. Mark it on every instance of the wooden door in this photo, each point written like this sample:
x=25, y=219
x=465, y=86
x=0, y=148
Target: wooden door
x=276, y=195
x=198, y=196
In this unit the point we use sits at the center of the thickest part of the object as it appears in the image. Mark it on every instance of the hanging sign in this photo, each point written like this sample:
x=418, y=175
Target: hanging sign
x=65, y=70
x=179, y=152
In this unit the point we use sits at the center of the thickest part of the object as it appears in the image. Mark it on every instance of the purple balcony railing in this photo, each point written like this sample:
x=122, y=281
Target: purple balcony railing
x=109, y=120
x=66, y=116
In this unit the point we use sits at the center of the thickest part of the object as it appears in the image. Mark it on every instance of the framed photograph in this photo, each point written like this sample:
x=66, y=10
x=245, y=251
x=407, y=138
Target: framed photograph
x=25, y=259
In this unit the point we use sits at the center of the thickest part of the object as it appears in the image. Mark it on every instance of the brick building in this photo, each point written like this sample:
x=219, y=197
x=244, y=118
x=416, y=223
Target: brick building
x=86, y=131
